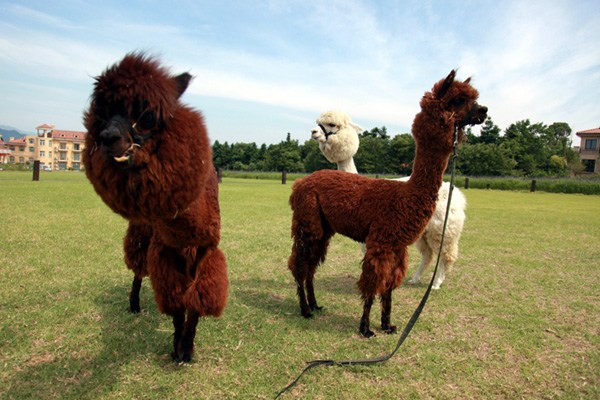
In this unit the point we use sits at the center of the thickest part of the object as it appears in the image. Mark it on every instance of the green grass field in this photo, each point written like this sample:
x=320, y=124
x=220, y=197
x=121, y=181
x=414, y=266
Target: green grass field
x=518, y=317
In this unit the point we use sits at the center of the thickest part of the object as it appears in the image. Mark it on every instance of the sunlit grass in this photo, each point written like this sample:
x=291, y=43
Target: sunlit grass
x=519, y=316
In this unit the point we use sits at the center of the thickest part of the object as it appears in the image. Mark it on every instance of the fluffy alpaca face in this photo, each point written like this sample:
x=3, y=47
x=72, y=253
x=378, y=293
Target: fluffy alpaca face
x=132, y=103
x=337, y=136
x=331, y=122
x=458, y=101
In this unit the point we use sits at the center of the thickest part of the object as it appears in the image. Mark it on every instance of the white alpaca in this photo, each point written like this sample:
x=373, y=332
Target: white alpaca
x=338, y=141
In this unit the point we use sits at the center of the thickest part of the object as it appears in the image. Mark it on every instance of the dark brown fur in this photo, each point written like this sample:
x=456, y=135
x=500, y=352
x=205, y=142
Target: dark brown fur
x=148, y=157
x=386, y=215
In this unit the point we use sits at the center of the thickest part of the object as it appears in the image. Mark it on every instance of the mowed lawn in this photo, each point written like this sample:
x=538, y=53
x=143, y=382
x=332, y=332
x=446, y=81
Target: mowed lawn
x=518, y=317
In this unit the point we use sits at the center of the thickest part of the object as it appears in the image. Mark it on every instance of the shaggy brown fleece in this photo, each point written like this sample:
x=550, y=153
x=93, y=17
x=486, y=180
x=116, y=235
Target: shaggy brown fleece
x=386, y=215
x=148, y=157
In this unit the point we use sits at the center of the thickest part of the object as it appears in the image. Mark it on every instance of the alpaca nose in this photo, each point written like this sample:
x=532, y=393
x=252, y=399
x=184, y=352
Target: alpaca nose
x=112, y=133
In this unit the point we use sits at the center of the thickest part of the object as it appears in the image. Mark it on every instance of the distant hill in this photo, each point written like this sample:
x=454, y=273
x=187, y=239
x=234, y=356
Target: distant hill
x=8, y=131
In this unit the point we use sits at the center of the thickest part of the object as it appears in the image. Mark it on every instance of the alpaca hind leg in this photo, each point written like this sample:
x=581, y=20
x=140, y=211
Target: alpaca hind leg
x=386, y=311
x=364, y=327
x=303, y=263
x=134, y=294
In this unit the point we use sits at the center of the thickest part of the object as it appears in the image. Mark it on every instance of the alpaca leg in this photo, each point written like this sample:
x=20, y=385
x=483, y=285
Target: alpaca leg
x=439, y=276
x=185, y=332
x=386, y=311
x=178, y=325
x=310, y=291
x=134, y=294
x=426, y=258
x=303, y=262
x=364, y=328
x=135, y=246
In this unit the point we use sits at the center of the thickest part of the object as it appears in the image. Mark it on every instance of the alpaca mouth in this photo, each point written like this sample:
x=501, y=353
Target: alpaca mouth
x=127, y=154
x=477, y=115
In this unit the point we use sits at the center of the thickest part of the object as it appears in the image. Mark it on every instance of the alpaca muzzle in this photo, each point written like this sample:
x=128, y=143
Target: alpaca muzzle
x=116, y=140
x=326, y=132
x=476, y=115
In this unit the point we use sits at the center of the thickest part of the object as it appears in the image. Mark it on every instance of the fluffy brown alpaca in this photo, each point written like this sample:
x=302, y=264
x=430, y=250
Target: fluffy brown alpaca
x=386, y=215
x=148, y=157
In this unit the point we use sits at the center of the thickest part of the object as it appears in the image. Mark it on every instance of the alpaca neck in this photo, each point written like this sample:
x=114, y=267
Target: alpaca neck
x=347, y=166
x=428, y=170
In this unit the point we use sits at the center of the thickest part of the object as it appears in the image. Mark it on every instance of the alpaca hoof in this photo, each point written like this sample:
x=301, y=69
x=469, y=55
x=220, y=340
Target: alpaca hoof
x=307, y=314
x=390, y=329
x=367, y=333
x=413, y=281
x=316, y=308
x=181, y=358
x=134, y=309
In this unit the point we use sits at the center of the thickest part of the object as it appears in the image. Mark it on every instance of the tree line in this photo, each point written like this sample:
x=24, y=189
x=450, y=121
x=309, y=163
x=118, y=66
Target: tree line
x=523, y=149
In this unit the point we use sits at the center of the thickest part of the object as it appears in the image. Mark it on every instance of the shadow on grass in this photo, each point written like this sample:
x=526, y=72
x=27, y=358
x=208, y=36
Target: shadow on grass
x=95, y=368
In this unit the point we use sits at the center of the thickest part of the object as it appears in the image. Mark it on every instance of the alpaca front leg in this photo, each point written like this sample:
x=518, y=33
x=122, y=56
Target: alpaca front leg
x=364, y=328
x=134, y=295
x=426, y=258
x=386, y=311
x=178, y=324
x=184, y=347
x=439, y=276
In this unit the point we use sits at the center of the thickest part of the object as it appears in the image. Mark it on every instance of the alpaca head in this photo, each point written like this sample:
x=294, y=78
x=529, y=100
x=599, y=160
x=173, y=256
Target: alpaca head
x=455, y=103
x=337, y=136
x=132, y=102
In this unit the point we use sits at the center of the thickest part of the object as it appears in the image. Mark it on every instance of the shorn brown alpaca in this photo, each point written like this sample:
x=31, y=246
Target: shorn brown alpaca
x=148, y=157
x=386, y=215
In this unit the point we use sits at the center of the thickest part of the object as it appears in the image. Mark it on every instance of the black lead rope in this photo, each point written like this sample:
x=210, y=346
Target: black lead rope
x=415, y=316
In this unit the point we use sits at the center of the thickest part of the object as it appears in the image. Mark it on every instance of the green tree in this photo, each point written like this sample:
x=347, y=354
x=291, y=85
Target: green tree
x=312, y=157
x=401, y=154
x=484, y=160
x=490, y=133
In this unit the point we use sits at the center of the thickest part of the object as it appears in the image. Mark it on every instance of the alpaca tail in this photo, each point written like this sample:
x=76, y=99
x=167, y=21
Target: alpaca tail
x=207, y=293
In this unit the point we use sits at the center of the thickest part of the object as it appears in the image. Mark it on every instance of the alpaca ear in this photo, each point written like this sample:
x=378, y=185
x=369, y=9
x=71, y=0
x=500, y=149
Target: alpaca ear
x=446, y=85
x=356, y=127
x=182, y=81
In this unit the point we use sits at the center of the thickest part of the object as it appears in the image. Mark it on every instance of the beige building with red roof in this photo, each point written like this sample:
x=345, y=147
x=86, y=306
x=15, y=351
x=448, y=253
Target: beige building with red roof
x=589, y=150
x=57, y=150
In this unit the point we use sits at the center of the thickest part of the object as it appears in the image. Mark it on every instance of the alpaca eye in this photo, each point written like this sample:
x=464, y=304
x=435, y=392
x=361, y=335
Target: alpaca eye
x=147, y=121
x=459, y=102
x=331, y=125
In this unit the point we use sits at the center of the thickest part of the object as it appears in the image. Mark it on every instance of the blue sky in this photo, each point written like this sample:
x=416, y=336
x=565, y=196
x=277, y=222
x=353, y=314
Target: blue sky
x=266, y=68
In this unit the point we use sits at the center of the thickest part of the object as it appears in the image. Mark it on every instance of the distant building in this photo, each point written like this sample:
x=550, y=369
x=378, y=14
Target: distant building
x=589, y=150
x=57, y=150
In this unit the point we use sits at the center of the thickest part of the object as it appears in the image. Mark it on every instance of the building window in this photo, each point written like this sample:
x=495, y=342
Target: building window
x=42, y=142
x=589, y=165
x=11, y=159
x=21, y=148
x=12, y=148
x=591, y=144
x=63, y=156
x=76, y=157
x=76, y=146
x=21, y=160
x=63, y=146
x=31, y=149
x=42, y=153
x=31, y=141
